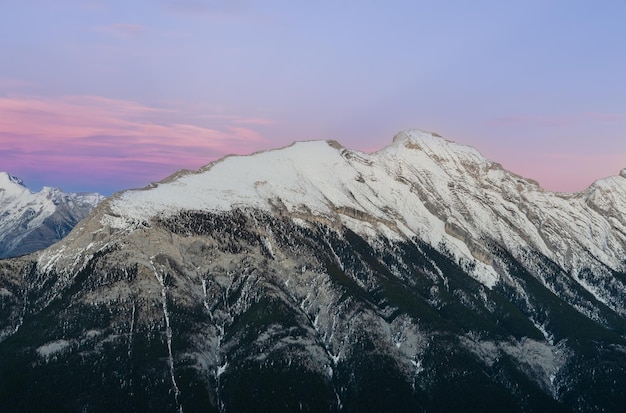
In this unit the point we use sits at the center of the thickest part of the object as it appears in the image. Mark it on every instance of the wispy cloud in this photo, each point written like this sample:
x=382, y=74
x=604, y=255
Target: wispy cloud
x=114, y=139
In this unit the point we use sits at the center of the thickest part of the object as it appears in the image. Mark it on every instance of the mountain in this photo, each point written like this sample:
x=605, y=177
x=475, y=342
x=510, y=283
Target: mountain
x=422, y=277
x=32, y=221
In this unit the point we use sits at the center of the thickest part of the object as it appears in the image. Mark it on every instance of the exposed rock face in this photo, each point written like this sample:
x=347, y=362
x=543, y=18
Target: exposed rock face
x=33, y=221
x=419, y=278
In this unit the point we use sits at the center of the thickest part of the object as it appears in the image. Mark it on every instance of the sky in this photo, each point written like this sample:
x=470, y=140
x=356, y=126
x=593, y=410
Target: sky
x=109, y=95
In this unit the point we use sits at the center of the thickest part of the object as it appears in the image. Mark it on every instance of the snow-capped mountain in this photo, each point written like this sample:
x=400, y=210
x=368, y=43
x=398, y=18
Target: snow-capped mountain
x=422, y=277
x=32, y=221
x=421, y=186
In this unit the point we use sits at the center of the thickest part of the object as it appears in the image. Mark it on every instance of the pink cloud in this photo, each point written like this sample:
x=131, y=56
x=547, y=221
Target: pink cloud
x=114, y=139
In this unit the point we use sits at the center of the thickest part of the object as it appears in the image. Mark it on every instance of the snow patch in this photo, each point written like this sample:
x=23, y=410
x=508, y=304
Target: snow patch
x=221, y=369
x=53, y=348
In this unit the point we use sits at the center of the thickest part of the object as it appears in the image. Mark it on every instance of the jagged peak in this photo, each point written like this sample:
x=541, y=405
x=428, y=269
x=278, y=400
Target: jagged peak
x=608, y=186
x=8, y=179
x=434, y=144
x=50, y=190
x=417, y=135
x=12, y=186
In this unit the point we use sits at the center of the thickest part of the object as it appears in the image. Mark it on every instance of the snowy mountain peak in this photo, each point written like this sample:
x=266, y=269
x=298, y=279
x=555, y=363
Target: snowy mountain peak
x=434, y=144
x=419, y=136
x=51, y=190
x=421, y=186
x=8, y=179
x=11, y=186
x=30, y=221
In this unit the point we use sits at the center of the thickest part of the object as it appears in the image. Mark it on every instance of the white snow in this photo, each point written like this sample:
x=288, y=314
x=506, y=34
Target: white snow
x=411, y=188
x=221, y=369
x=53, y=347
x=168, y=333
x=22, y=211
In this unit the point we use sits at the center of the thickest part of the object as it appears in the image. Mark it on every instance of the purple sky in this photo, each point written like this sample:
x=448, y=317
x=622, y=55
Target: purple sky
x=107, y=95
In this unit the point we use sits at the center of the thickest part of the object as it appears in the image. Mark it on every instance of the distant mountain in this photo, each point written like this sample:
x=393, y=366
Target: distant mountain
x=32, y=221
x=422, y=277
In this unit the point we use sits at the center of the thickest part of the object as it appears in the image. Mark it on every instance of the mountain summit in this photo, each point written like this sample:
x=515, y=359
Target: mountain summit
x=420, y=186
x=422, y=277
x=32, y=221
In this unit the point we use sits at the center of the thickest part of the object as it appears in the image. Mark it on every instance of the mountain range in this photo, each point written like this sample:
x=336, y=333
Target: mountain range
x=32, y=221
x=422, y=277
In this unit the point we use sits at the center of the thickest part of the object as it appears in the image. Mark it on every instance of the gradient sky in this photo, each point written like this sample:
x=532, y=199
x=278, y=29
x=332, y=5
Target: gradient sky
x=107, y=95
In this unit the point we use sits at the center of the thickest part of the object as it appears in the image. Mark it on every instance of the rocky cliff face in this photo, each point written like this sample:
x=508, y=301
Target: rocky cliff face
x=33, y=221
x=419, y=278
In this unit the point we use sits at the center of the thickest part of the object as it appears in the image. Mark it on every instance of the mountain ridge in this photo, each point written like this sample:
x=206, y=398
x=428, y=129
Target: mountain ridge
x=422, y=277
x=267, y=179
